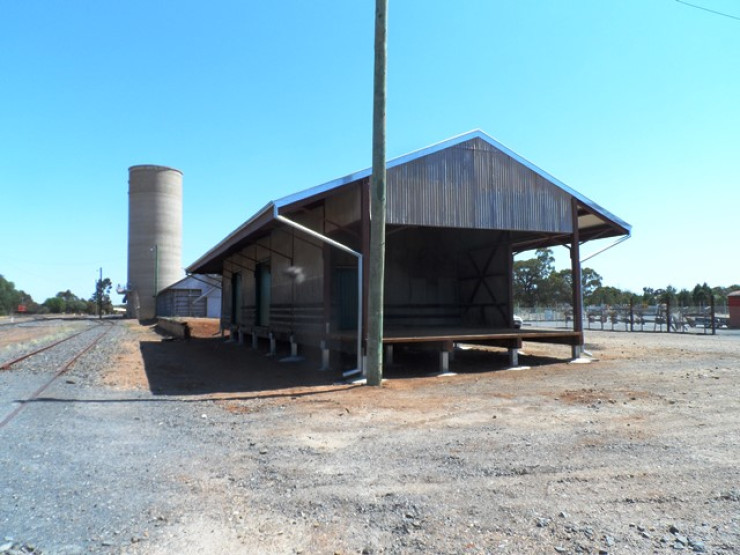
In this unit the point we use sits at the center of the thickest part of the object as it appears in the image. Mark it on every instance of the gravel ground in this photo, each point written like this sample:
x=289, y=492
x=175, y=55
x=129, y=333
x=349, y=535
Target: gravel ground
x=151, y=446
x=27, y=335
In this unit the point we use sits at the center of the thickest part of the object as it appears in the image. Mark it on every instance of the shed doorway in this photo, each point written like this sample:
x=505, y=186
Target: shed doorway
x=236, y=298
x=263, y=287
x=346, y=298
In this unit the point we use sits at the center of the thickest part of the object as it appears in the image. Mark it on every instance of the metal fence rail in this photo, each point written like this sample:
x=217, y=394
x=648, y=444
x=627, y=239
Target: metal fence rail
x=631, y=318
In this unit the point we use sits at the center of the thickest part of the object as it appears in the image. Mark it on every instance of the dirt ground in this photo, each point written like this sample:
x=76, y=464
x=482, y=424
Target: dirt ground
x=152, y=445
x=634, y=453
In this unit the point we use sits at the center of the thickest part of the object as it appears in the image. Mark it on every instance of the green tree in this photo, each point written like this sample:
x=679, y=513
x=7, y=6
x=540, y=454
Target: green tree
x=609, y=296
x=10, y=298
x=73, y=304
x=684, y=297
x=530, y=277
x=101, y=297
x=557, y=289
x=667, y=295
x=648, y=296
x=55, y=305
x=701, y=294
x=590, y=282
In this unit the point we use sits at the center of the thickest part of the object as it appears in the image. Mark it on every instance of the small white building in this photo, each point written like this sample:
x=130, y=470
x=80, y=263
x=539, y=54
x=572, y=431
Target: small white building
x=195, y=296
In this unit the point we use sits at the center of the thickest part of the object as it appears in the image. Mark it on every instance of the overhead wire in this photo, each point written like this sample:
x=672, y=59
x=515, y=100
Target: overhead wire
x=708, y=10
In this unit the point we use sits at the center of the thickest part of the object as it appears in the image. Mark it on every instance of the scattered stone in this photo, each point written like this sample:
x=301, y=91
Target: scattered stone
x=543, y=522
x=609, y=541
x=698, y=546
x=645, y=534
x=563, y=514
x=560, y=549
x=263, y=450
x=673, y=529
x=683, y=540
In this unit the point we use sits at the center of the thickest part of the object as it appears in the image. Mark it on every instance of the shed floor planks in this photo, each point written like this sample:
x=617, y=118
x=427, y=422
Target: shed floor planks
x=504, y=337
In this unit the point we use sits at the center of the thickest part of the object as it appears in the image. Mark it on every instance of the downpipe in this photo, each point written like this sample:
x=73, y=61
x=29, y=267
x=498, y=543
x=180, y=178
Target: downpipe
x=345, y=248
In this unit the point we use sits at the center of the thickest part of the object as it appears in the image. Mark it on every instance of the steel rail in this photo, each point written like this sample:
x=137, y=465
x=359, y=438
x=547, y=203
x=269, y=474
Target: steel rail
x=58, y=372
x=6, y=365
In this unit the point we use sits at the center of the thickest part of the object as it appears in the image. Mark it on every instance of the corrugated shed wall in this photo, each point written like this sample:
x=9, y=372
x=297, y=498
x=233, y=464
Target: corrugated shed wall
x=181, y=302
x=474, y=185
x=343, y=208
x=295, y=263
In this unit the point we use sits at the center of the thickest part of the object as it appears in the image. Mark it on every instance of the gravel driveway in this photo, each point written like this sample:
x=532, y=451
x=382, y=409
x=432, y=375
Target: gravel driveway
x=152, y=446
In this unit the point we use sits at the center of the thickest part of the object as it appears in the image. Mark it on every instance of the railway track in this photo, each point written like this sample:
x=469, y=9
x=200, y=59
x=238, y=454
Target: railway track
x=55, y=365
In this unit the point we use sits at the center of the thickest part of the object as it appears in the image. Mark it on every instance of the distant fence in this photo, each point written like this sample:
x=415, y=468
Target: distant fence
x=632, y=318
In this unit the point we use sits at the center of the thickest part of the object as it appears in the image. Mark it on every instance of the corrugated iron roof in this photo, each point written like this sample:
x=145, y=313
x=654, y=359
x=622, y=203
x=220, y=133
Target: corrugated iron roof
x=453, y=141
x=265, y=215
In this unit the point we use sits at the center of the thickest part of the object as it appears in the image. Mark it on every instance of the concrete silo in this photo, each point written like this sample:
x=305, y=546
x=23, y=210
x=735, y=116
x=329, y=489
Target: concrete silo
x=154, y=236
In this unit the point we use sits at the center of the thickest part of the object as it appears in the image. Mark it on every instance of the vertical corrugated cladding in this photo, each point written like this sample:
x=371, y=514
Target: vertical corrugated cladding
x=308, y=259
x=225, y=297
x=435, y=190
x=475, y=185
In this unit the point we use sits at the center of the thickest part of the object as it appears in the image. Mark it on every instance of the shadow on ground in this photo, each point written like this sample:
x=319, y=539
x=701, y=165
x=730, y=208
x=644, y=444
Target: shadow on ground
x=200, y=366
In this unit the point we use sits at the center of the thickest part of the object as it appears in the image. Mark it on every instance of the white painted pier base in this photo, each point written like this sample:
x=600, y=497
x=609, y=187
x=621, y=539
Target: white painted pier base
x=325, y=356
x=388, y=355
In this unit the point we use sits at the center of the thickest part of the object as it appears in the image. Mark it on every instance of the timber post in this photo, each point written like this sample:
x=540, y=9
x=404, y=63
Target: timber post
x=575, y=262
x=377, y=205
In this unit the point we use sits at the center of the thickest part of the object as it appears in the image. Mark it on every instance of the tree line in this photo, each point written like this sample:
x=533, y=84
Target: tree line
x=537, y=283
x=64, y=302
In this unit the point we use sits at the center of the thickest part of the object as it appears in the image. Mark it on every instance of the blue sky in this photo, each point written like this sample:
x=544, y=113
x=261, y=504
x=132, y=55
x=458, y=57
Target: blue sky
x=633, y=103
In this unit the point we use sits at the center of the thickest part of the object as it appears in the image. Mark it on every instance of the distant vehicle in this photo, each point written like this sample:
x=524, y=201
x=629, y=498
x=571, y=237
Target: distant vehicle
x=518, y=322
x=706, y=322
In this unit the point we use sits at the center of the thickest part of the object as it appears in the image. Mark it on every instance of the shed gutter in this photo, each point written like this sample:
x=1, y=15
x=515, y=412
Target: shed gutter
x=345, y=248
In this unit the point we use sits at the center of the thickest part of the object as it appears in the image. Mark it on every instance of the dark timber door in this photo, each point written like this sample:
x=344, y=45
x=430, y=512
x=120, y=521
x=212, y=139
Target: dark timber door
x=236, y=298
x=263, y=287
x=346, y=280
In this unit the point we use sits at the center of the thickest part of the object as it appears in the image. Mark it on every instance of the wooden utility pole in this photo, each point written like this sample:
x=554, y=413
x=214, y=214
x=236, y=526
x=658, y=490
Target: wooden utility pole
x=100, y=294
x=377, y=205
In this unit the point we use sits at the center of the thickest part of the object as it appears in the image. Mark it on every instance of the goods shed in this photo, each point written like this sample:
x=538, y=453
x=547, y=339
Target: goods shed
x=193, y=296
x=457, y=213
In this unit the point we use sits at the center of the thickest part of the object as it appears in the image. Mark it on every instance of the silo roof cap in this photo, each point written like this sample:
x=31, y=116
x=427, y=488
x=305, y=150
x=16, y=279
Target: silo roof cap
x=153, y=167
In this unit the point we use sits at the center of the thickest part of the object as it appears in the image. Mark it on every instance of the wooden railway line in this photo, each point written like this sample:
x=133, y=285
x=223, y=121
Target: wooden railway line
x=56, y=372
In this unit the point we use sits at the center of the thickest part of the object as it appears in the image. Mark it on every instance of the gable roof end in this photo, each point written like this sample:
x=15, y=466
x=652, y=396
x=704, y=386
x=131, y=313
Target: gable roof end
x=590, y=215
